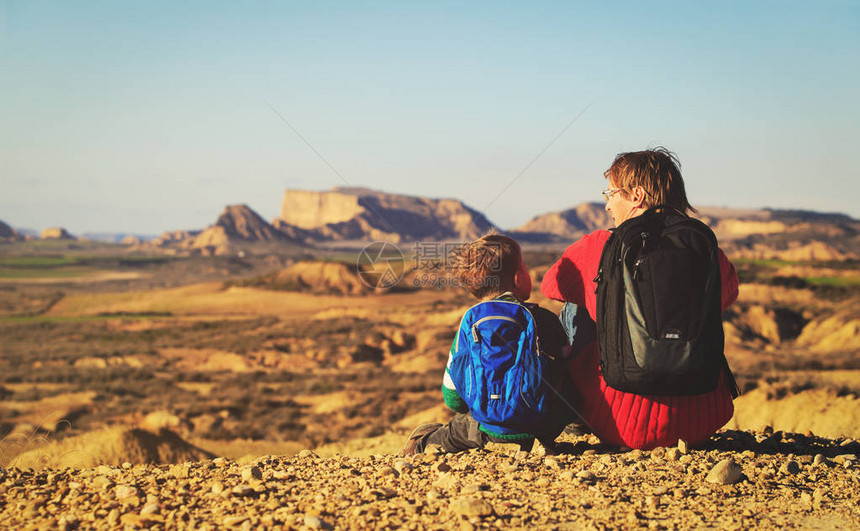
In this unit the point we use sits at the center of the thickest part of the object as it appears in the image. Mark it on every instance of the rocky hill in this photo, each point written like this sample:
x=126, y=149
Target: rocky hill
x=112, y=446
x=368, y=215
x=237, y=227
x=318, y=277
x=739, y=480
x=8, y=234
x=791, y=235
x=346, y=216
x=565, y=226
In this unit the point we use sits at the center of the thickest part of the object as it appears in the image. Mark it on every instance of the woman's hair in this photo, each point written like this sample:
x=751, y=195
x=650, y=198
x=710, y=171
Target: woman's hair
x=487, y=265
x=657, y=171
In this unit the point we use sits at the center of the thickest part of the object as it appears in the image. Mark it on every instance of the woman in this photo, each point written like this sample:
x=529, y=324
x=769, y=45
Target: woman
x=637, y=181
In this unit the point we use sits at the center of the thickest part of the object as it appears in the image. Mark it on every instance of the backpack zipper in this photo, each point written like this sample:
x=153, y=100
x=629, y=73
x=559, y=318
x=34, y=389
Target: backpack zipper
x=489, y=318
x=636, y=268
x=644, y=252
x=539, y=353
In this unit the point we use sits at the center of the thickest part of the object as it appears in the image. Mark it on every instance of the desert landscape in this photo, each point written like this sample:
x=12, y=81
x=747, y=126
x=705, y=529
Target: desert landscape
x=255, y=374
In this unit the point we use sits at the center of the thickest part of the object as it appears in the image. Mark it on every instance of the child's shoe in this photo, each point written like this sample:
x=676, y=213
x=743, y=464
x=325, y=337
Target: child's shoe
x=410, y=448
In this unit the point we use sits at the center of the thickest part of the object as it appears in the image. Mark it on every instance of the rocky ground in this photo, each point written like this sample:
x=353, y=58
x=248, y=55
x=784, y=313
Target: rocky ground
x=738, y=480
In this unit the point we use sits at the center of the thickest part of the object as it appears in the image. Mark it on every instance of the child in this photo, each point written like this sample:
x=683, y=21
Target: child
x=492, y=269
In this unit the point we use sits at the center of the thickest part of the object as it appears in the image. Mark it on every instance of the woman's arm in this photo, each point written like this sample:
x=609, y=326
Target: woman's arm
x=571, y=278
x=729, y=281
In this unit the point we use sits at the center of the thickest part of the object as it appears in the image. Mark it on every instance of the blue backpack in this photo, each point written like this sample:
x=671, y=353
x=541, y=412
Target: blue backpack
x=498, y=369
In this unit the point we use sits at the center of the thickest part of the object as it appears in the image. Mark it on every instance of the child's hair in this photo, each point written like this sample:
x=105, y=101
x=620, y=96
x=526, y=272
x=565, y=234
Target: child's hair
x=487, y=265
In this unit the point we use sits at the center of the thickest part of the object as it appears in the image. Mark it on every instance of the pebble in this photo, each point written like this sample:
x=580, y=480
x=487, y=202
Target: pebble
x=683, y=446
x=307, y=454
x=551, y=463
x=125, y=491
x=726, y=472
x=446, y=481
x=180, y=471
x=402, y=466
x=442, y=467
x=251, y=472
x=585, y=475
x=430, y=457
x=151, y=508
x=673, y=454
x=433, y=449
x=819, y=460
x=234, y=520
x=387, y=471
x=818, y=495
x=314, y=522
x=470, y=489
x=103, y=484
x=791, y=467
x=845, y=459
x=471, y=507
x=567, y=475
x=384, y=492
x=242, y=490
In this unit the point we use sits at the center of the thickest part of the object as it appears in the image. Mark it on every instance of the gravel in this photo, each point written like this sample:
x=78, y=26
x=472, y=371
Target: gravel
x=738, y=480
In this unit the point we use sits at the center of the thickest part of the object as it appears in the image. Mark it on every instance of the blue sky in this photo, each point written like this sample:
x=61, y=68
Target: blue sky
x=151, y=116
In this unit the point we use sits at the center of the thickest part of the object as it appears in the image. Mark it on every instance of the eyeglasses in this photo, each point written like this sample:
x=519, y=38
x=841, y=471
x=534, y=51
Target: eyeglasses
x=609, y=192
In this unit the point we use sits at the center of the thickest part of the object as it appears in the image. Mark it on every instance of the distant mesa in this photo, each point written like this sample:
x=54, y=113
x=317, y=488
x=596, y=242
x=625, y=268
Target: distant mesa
x=121, y=238
x=791, y=251
x=769, y=234
x=131, y=240
x=56, y=233
x=792, y=235
x=369, y=215
x=353, y=217
x=8, y=234
x=294, y=233
x=172, y=237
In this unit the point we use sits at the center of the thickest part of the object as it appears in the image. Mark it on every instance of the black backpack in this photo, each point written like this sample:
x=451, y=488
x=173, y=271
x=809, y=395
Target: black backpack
x=659, y=323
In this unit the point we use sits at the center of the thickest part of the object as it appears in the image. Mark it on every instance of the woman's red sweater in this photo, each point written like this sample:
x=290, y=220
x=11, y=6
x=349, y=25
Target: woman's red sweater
x=629, y=419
